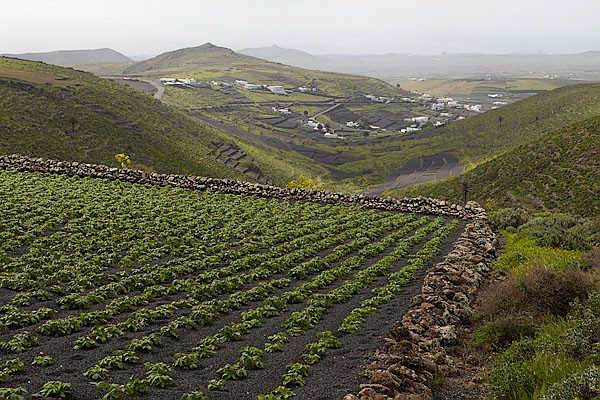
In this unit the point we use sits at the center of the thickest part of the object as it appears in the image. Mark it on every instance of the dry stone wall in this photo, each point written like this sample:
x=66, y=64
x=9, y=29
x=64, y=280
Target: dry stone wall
x=416, y=205
x=415, y=353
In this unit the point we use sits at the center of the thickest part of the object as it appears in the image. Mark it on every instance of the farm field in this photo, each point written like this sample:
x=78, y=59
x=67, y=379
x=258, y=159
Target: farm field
x=473, y=91
x=113, y=290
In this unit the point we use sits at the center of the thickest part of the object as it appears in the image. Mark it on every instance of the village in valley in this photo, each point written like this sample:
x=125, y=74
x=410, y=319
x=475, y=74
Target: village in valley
x=359, y=117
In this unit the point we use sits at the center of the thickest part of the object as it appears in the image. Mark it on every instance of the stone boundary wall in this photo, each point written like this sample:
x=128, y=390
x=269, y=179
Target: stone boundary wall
x=417, y=205
x=415, y=352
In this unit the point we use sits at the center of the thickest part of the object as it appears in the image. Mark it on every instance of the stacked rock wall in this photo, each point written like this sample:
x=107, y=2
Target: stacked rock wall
x=417, y=205
x=415, y=352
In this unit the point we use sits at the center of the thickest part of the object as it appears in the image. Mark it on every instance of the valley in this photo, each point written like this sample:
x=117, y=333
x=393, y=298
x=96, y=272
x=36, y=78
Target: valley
x=271, y=224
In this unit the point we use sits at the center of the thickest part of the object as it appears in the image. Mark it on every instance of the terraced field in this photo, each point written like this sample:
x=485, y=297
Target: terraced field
x=113, y=290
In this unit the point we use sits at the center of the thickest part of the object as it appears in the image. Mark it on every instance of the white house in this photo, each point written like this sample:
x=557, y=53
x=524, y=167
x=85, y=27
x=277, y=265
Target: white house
x=438, y=106
x=420, y=120
x=409, y=130
x=221, y=83
x=476, y=108
x=277, y=90
x=495, y=95
x=306, y=89
x=500, y=103
x=437, y=124
x=330, y=135
x=282, y=111
x=425, y=98
x=453, y=104
x=446, y=115
x=376, y=99
x=351, y=124
x=240, y=83
x=312, y=123
x=253, y=86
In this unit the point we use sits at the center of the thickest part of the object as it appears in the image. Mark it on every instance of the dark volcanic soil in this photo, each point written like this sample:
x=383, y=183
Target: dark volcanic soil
x=335, y=375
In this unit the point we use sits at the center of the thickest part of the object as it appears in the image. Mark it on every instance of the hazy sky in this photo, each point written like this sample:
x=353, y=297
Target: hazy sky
x=136, y=27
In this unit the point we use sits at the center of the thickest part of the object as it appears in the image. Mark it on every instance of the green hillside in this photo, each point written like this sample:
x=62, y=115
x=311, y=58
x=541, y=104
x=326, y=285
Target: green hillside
x=558, y=172
x=208, y=62
x=481, y=137
x=60, y=113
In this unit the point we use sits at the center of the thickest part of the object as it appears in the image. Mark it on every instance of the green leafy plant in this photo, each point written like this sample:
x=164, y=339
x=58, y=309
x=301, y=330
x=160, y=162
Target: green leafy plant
x=42, y=361
x=17, y=393
x=56, y=389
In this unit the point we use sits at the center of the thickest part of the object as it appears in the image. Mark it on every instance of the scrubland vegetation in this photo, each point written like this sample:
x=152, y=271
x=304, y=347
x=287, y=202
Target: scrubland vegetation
x=540, y=326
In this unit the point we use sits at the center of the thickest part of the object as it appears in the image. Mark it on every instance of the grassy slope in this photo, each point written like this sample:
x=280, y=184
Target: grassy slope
x=209, y=62
x=558, y=172
x=39, y=101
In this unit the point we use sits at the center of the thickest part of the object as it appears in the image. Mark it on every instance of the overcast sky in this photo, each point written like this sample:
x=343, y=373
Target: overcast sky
x=140, y=27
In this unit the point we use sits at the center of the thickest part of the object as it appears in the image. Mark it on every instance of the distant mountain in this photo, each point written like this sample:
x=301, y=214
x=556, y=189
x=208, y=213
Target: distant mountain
x=394, y=65
x=69, y=57
x=292, y=57
x=208, y=62
x=188, y=59
x=142, y=57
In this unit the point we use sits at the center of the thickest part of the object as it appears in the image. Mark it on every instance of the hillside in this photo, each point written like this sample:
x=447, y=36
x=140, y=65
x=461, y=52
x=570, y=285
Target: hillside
x=70, y=57
x=486, y=135
x=56, y=112
x=559, y=172
x=208, y=62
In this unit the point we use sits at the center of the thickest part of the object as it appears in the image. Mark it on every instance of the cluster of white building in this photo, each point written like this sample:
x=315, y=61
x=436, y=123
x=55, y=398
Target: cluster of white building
x=352, y=124
x=277, y=90
x=409, y=129
x=254, y=86
x=306, y=89
x=417, y=120
x=282, y=111
x=221, y=83
x=177, y=81
x=377, y=99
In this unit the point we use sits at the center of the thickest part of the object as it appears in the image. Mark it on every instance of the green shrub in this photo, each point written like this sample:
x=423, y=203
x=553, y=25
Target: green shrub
x=559, y=362
x=499, y=333
x=521, y=253
x=563, y=231
x=508, y=217
x=582, y=385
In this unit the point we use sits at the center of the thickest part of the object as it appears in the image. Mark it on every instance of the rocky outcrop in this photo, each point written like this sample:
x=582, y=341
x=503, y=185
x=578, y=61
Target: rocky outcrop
x=416, y=205
x=415, y=353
